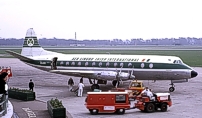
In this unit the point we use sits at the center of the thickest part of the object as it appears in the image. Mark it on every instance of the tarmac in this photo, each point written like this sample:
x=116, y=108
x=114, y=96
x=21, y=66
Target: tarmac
x=187, y=98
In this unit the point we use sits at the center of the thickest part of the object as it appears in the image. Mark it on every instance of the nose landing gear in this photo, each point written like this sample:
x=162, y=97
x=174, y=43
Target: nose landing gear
x=172, y=88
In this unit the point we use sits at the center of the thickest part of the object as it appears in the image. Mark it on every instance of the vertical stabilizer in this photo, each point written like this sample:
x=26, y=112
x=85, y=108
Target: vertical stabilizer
x=31, y=39
x=31, y=45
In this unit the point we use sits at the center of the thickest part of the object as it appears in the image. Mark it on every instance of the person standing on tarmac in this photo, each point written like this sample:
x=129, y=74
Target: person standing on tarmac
x=71, y=84
x=80, y=91
x=81, y=80
x=31, y=85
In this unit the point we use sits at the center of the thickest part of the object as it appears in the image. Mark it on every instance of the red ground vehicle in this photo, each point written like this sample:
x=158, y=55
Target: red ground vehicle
x=160, y=101
x=118, y=102
x=6, y=69
x=110, y=102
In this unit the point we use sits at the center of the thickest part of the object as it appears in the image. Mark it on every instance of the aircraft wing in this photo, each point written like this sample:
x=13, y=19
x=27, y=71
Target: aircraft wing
x=74, y=72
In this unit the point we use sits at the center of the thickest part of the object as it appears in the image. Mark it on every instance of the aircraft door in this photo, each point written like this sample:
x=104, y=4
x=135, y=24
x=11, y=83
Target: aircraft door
x=54, y=63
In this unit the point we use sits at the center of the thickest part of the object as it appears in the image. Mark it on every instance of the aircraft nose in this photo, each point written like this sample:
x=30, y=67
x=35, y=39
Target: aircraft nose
x=193, y=74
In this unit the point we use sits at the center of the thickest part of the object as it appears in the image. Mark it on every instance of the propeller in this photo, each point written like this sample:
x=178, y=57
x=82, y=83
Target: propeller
x=118, y=77
x=131, y=74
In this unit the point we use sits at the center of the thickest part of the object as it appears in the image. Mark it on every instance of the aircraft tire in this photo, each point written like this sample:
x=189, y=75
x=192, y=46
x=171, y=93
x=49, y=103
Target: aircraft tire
x=114, y=83
x=171, y=89
x=95, y=86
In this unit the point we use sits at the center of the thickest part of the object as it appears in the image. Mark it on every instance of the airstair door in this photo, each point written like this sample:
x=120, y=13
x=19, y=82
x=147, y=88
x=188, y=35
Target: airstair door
x=54, y=63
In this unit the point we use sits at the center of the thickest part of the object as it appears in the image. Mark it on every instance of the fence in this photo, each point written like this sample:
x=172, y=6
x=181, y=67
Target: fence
x=3, y=104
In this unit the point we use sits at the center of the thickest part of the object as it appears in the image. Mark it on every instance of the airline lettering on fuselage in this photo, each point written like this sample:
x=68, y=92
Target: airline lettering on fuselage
x=105, y=59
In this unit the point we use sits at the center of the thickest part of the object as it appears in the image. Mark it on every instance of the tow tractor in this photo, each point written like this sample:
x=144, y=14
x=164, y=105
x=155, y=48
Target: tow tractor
x=159, y=101
x=118, y=102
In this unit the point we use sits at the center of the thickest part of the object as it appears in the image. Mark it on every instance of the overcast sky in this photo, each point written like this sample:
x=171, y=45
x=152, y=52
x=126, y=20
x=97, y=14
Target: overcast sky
x=101, y=19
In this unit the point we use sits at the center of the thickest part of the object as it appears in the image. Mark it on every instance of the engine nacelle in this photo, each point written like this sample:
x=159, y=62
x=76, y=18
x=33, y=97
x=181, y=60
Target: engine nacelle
x=110, y=75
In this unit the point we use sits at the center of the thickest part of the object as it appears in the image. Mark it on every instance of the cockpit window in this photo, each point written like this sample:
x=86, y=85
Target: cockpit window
x=177, y=62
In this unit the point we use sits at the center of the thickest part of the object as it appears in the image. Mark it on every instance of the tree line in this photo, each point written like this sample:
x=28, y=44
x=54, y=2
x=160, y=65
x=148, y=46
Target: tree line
x=114, y=42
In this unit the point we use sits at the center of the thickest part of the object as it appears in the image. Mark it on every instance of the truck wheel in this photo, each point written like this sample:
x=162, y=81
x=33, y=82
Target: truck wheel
x=120, y=111
x=164, y=107
x=150, y=107
x=93, y=111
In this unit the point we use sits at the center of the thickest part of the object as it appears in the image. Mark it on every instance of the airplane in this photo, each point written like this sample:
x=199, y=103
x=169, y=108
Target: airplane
x=104, y=67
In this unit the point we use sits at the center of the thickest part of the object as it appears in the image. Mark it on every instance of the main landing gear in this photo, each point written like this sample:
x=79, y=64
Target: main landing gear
x=94, y=86
x=114, y=83
x=172, y=88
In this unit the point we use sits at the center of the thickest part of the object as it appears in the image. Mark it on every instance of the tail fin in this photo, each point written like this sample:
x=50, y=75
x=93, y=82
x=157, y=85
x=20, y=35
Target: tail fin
x=31, y=45
x=31, y=39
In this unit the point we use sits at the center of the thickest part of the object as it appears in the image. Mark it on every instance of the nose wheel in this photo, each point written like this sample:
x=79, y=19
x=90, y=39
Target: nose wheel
x=172, y=88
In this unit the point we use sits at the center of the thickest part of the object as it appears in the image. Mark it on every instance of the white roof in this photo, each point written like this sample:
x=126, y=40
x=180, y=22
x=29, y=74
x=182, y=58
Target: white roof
x=162, y=94
x=108, y=92
x=30, y=33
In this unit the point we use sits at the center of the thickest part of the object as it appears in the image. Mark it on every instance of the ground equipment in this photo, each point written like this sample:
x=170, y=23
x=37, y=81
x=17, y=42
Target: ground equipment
x=159, y=101
x=117, y=101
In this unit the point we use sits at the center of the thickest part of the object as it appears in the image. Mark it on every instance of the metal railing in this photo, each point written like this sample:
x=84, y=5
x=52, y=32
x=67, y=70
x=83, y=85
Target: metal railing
x=3, y=104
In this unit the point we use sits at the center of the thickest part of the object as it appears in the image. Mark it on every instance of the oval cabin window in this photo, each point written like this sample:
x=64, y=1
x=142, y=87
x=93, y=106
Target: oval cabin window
x=115, y=64
x=107, y=64
x=130, y=65
x=121, y=64
x=142, y=65
x=150, y=65
x=79, y=63
x=73, y=63
x=100, y=64
x=93, y=64
x=86, y=64
x=67, y=63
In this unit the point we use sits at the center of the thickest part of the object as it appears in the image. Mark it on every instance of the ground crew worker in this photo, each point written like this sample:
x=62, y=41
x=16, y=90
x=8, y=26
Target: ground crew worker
x=154, y=95
x=31, y=85
x=150, y=94
x=145, y=90
x=81, y=80
x=80, y=91
x=71, y=84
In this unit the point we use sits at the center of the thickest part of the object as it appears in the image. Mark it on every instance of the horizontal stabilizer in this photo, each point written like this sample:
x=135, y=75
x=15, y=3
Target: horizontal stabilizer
x=17, y=55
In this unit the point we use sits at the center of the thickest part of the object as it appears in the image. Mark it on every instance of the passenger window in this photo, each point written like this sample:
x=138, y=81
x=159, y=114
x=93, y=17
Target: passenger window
x=120, y=98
